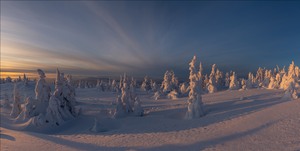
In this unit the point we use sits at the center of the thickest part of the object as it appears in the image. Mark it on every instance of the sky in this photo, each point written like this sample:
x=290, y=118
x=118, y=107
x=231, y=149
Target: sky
x=103, y=38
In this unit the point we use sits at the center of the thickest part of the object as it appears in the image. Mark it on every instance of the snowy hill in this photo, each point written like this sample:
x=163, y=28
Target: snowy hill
x=255, y=119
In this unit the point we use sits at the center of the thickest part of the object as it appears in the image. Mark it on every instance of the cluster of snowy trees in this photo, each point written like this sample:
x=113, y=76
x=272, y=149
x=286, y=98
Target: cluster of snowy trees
x=47, y=109
x=8, y=79
x=128, y=102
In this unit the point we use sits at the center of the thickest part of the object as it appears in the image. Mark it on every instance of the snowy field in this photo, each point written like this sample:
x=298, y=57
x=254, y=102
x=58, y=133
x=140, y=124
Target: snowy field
x=255, y=119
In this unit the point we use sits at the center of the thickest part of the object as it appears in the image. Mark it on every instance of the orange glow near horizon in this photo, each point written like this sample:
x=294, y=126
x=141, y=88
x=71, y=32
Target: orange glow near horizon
x=30, y=75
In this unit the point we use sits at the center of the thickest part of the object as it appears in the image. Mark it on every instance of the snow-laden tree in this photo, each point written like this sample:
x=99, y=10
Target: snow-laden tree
x=174, y=81
x=290, y=92
x=100, y=85
x=5, y=103
x=157, y=95
x=289, y=77
x=166, y=85
x=108, y=86
x=268, y=75
x=234, y=85
x=16, y=106
x=272, y=83
x=184, y=89
x=154, y=86
x=173, y=95
x=146, y=84
x=126, y=100
x=195, y=105
x=59, y=110
x=250, y=81
x=137, y=108
x=205, y=82
x=219, y=79
x=121, y=82
x=42, y=93
x=28, y=110
x=211, y=85
x=8, y=79
x=114, y=86
x=25, y=80
x=71, y=85
x=260, y=75
x=227, y=80
x=68, y=95
x=132, y=90
x=119, y=110
x=243, y=84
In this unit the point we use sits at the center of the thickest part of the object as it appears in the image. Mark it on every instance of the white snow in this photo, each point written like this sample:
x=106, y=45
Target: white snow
x=261, y=121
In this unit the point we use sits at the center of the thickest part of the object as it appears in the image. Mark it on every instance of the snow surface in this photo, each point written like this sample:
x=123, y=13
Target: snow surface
x=262, y=120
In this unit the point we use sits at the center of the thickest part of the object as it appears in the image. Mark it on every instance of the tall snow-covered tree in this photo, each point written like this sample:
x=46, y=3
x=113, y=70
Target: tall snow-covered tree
x=126, y=100
x=195, y=105
x=227, y=79
x=16, y=106
x=166, y=85
x=146, y=84
x=59, y=110
x=233, y=82
x=119, y=110
x=211, y=86
x=42, y=92
x=137, y=108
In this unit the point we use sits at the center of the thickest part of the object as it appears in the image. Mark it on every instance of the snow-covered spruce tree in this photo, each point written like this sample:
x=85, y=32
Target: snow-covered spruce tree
x=233, y=82
x=219, y=79
x=290, y=92
x=205, y=83
x=16, y=106
x=28, y=110
x=154, y=86
x=71, y=85
x=249, y=82
x=86, y=85
x=59, y=110
x=146, y=84
x=8, y=79
x=268, y=75
x=137, y=108
x=42, y=93
x=183, y=89
x=173, y=95
x=132, y=90
x=195, y=105
x=272, y=83
x=108, y=86
x=68, y=95
x=289, y=77
x=211, y=86
x=166, y=85
x=227, y=80
x=126, y=100
x=243, y=84
x=157, y=95
x=25, y=80
x=260, y=75
x=119, y=110
x=114, y=86
x=201, y=77
x=174, y=81
x=100, y=85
